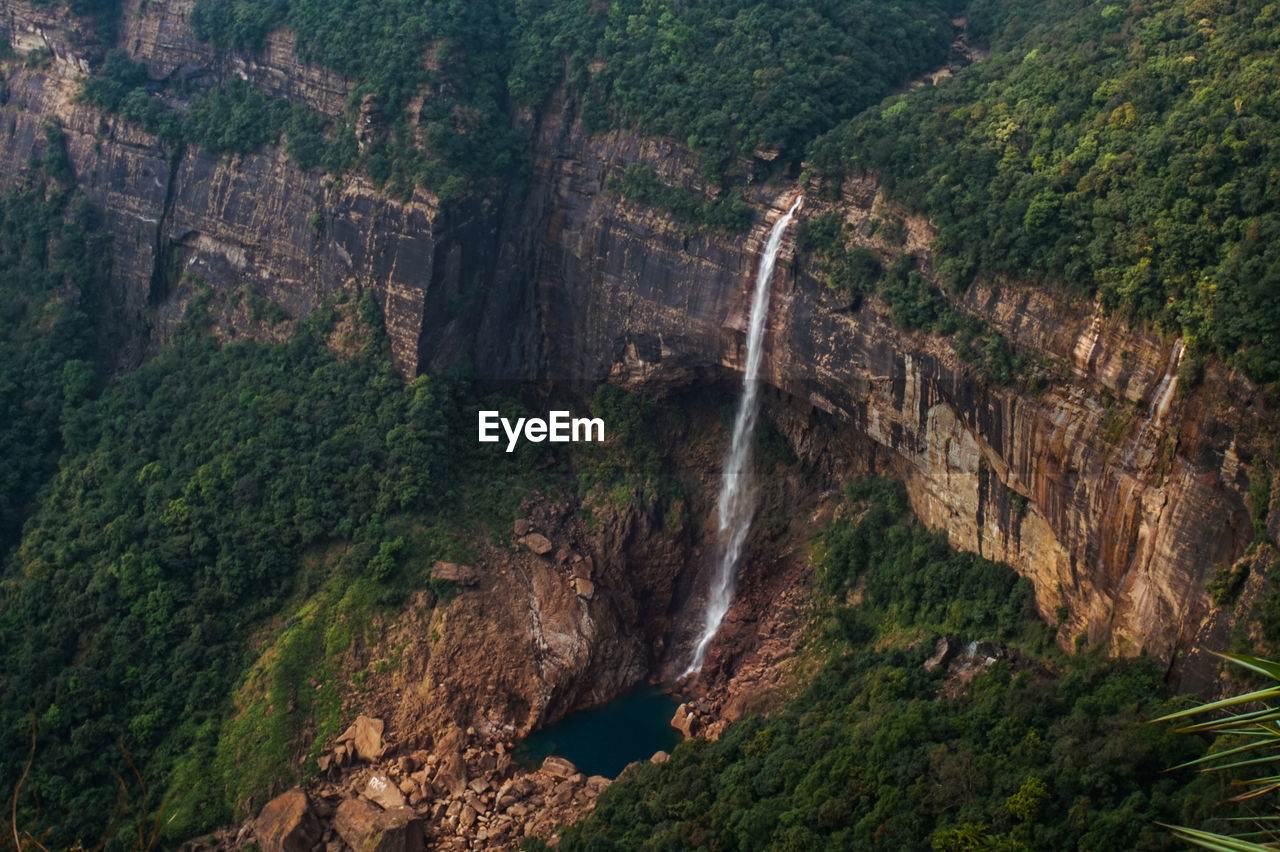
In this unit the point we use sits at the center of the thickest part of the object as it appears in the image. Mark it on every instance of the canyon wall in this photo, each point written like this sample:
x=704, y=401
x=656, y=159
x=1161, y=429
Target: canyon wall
x=183, y=219
x=1118, y=495
x=1115, y=491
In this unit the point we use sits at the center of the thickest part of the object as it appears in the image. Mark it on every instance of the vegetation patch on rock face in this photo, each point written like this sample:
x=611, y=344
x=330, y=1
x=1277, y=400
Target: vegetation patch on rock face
x=916, y=303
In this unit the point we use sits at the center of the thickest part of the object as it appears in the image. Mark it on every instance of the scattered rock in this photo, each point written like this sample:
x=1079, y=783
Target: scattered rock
x=365, y=736
x=467, y=817
x=942, y=653
x=452, y=775
x=684, y=720
x=538, y=543
x=463, y=575
x=562, y=795
x=584, y=588
x=367, y=829
x=287, y=824
x=559, y=768
x=383, y=792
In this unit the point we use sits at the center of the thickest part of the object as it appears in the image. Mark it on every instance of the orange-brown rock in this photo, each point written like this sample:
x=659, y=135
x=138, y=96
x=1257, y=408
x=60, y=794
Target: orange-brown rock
x=366, y=828
x=538, y=543
x=463, y=575
x=381, y=791
x=365, y=736
x=286, y=824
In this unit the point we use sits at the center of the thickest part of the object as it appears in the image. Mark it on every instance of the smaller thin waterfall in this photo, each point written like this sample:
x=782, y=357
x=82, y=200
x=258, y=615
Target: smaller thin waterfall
x=737, y=501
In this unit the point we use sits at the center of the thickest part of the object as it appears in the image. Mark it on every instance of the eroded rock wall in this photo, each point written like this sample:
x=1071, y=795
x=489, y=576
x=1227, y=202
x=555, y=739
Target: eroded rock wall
x=1113, y=490
x=182, y=218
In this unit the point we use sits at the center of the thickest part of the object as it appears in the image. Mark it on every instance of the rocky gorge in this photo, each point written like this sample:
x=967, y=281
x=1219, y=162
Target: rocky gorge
x=1116, y=491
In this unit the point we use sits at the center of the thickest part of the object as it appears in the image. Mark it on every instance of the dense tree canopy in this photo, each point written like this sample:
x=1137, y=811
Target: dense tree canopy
x=50, y=282
x=1053, y=753
x=1127, y=150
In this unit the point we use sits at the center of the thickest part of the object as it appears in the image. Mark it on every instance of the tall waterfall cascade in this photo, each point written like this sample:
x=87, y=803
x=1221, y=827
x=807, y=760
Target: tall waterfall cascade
x=737, y=503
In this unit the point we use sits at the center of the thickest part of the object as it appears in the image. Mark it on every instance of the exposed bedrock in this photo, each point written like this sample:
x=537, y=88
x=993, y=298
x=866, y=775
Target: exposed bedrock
x=1117, y=493
x=1114, y=493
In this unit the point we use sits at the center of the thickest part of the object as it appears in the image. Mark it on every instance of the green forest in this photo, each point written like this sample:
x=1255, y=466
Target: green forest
x=186, y=547
x=1124, y=151
x=167, y=517
x=1041, y=750
x=1120, y=151
x=730, y=79
x=50, y=285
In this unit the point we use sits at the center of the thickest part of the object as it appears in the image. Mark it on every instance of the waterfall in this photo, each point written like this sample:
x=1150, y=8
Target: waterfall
x=737, y=498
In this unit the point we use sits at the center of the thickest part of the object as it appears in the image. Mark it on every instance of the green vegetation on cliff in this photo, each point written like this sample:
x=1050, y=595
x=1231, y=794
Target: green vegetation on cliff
x=1126, y=150
x=451, y=55
x=187, y=500
x=1038, y=751
x=434, y=81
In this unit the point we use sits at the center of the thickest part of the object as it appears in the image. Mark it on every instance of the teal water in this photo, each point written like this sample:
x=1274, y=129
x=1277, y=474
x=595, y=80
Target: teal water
x=604, y=739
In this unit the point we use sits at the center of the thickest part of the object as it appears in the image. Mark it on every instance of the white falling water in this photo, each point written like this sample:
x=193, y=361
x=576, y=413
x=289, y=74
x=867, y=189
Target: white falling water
x=737, y=498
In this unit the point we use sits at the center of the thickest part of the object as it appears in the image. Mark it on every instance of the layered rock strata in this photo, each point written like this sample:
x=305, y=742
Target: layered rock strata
x=1115, y=494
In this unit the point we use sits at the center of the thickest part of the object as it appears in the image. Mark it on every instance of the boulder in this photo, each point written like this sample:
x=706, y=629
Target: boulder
x=365, y=736
x=559, y=768
x=381, y=791
x=584, y=588
x=287, y=824
x=943, y=653
x=660, y=757
x=523, y=526
x=366, y=829
x=452, y=774
x=538, y=543
x=463, y=575
x=684, y=721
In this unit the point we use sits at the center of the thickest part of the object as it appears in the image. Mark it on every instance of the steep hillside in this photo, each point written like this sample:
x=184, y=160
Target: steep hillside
x=1029, y=280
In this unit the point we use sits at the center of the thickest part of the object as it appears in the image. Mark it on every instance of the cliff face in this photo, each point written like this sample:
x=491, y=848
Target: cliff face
x=182, y=219
x=1115, y=494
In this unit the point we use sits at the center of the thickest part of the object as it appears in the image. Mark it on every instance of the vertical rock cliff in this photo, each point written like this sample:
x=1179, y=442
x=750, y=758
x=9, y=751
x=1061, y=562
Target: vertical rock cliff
x=1115, y=490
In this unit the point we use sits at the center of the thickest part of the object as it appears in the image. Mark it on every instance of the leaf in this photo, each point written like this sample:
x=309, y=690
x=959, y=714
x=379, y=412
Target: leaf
x=1263, y=667
x=1217, y=842
x=1258, y=695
